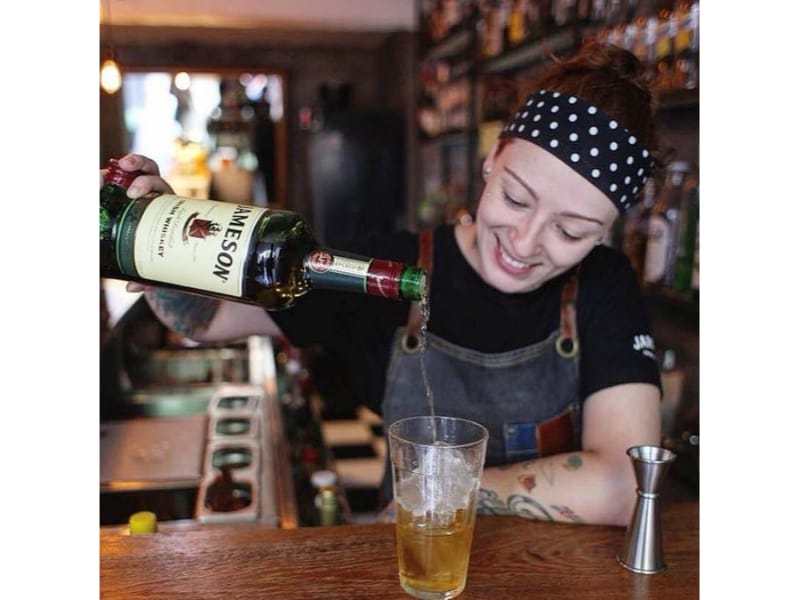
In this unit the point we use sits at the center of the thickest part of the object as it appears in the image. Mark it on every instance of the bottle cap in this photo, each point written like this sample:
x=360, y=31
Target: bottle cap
x=324, y=478
x=118, y=176
x=143, y=522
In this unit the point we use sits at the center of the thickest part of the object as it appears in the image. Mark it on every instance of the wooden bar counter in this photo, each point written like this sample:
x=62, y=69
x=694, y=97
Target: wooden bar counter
x=512, y=558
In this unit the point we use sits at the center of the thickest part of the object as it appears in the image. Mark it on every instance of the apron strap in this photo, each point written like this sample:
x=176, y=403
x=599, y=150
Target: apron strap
x=567, y=342
x=410, y=340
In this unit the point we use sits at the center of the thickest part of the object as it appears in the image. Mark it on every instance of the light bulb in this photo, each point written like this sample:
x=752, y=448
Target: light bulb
x=110, y=77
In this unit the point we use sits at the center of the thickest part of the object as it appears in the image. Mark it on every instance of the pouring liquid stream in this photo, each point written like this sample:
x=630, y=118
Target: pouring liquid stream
x=425, y=310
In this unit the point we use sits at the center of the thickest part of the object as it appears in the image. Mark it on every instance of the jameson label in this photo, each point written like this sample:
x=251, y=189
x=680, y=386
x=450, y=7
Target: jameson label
x=340, y=272
x=199, y=244
x=323, y=262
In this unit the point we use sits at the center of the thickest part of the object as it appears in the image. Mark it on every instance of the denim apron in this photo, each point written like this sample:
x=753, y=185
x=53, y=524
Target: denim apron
x=527, y=398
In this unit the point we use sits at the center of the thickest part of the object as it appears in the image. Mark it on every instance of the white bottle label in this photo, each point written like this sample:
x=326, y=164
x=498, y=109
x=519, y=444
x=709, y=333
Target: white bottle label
x=200, y=244
x=657, y=253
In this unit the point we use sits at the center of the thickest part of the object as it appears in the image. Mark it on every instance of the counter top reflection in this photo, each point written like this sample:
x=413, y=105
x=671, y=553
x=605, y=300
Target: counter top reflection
x=511, y=558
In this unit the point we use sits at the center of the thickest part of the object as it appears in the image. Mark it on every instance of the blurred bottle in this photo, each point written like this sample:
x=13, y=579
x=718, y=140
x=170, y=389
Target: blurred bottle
x=696, y=262
x=664, y=46
x=687, y=46
x=659, y=264
x=583, y=11
x=642, y=31
x=495, y=28
x=518, y=22
x=687, y=232
x=598, y=12
x=672, y=380
x=636, y=227
x=330, y=502
x=614, y=23
x=564, y=13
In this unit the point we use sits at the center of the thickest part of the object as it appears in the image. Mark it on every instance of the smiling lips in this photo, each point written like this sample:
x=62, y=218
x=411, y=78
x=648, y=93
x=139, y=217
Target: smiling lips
x=511, y=264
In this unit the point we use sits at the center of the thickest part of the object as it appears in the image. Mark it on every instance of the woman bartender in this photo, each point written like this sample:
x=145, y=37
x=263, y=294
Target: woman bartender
x=537, y=329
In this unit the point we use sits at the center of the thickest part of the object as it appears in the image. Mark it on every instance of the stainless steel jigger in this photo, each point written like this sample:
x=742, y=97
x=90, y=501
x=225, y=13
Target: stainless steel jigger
x=641, y=552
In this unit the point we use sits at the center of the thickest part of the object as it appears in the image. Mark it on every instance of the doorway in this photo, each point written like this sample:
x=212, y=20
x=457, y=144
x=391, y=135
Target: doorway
x=218, y=135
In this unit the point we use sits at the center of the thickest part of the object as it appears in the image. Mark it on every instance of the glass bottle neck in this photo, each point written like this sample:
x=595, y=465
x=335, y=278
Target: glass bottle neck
x=337, y=270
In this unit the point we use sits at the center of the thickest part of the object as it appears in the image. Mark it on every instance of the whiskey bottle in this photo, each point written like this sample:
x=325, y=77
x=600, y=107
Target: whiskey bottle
x=239, y=252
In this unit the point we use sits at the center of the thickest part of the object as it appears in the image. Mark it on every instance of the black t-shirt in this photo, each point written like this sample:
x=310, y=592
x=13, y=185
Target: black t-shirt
x=613, y=329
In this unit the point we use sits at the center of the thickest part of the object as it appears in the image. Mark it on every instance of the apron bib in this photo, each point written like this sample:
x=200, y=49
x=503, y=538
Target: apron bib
x=527, y=398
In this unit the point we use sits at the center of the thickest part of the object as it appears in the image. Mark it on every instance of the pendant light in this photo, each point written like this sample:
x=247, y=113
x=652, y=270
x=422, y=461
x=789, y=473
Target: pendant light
x=110, y=76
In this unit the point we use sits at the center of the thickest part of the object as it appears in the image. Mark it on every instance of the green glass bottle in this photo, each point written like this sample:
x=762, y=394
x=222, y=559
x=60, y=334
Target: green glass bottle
x=239, y=252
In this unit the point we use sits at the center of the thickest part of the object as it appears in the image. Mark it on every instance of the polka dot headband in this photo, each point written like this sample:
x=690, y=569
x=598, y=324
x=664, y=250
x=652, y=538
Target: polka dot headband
x=588, y=140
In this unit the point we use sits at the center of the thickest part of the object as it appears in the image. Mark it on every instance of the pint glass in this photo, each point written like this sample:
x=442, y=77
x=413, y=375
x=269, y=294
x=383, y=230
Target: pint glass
x=437, y=464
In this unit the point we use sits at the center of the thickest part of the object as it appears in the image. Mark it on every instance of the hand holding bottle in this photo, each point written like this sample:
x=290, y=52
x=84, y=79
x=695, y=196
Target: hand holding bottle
x=149, y=180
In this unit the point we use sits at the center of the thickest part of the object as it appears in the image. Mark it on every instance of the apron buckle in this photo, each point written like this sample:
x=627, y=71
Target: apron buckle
x=566, y=347
x=410, y=343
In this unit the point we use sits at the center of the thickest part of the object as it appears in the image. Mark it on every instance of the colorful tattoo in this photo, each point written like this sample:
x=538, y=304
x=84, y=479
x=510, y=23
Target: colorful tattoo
x=573, y=462
x=187, y=314
x=527, y=481
x=521, y=506
x=566, y=512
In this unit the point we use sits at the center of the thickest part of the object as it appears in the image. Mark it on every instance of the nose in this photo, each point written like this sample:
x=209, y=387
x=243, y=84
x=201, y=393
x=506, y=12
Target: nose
x=527, y=236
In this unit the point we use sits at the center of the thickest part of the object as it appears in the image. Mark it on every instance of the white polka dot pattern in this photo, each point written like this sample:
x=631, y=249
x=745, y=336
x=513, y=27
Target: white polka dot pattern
x=588, y=140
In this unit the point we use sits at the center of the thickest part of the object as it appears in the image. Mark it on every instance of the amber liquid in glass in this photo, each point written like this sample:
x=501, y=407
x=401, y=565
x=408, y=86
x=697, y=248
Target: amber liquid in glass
x=433, y=560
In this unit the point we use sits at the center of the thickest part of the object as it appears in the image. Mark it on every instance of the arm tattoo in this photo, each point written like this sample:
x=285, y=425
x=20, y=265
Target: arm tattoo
x=517, y=505
x=566, y=512
x=521, y=506
x=188, y=314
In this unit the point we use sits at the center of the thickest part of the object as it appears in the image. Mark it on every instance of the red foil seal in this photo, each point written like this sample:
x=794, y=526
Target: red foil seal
x=118, y=176
x=383, y=278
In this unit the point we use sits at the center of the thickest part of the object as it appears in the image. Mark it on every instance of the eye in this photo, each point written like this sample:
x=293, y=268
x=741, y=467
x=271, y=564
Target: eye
x=567, y=235
x=511, y=200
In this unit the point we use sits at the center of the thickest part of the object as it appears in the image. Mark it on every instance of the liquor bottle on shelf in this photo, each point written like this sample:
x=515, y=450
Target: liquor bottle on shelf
x=495, y=28
x=665, y=48
x=659, y=265
x=518, y=22
x=564, y=12
x=330, y=501
x=239, y=252
x=636, y=228
x=696, y=263
x=687, y=233
x=686, y=74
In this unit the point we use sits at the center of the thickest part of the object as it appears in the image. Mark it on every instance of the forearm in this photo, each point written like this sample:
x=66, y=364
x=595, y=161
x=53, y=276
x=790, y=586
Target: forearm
x=206, y=319
x=188, y=314
x=575, y=487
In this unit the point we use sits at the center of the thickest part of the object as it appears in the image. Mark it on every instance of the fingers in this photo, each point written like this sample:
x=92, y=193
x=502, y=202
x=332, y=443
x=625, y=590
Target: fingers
x=144, y=184
x=149, y=181
x=133, y=287
x=137, y=162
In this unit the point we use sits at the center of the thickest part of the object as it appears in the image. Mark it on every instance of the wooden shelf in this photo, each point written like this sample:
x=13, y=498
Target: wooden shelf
x=677, y=99
x=527, y=55
x=453, y=45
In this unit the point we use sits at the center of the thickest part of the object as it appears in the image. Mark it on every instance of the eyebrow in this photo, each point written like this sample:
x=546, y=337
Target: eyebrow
x=533, y=194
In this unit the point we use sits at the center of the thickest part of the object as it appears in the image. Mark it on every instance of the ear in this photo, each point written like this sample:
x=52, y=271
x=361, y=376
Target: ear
x=488, y=162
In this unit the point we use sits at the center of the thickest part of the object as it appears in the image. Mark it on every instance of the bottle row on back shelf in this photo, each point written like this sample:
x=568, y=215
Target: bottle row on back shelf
x=481, y=35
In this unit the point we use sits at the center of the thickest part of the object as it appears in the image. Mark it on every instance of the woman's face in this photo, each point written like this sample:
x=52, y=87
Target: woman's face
x=536, y=219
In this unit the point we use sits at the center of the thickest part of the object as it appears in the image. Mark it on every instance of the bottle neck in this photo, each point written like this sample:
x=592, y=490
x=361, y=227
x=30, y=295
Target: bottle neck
x=337, y=270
